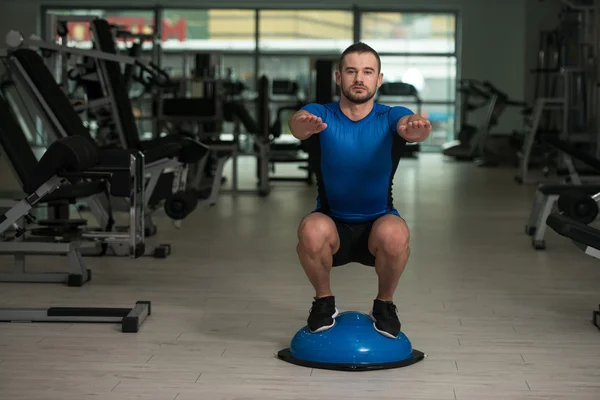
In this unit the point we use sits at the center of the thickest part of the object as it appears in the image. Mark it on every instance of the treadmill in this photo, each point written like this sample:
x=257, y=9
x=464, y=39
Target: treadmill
x=474, y=96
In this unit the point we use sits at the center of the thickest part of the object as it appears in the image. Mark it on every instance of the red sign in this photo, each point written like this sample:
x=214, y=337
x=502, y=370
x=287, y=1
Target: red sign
x=80, y=31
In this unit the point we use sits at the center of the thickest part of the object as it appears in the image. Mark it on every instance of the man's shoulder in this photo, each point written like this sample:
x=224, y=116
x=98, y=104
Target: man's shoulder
x=392, y=111
x=332, y=107
x=381, y=107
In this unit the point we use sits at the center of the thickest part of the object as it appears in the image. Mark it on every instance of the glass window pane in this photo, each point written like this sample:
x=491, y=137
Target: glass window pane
x=442, y=119
x=389, y=32
x=434, y=77
x=301, y=30
x=291, y=68
x=241, y=67
x=133, y=21
x=213, y=29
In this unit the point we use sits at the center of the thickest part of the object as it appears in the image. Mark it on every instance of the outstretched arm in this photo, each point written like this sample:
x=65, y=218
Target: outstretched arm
x=308, y=121
x=412, y=127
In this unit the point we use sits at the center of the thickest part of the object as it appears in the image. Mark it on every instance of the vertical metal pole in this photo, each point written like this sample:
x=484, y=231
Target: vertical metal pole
x=256, y=45
x=458, y=71
x=158, y=32
x=596, y=74
x=157, y=59
x=356, y=27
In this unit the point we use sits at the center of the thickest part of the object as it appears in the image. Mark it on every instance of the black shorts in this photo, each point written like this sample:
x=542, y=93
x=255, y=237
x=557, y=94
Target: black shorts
x=354, y=244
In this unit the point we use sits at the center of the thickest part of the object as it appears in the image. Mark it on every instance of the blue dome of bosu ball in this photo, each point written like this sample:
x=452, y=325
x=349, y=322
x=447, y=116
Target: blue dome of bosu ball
x=352, y=344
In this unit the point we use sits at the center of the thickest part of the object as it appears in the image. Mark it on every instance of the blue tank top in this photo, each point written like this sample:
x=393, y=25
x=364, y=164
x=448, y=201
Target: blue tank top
x=355, y=161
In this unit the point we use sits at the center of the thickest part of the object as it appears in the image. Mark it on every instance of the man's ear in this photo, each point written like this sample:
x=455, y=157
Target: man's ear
x=338, y=77
x=380, y=80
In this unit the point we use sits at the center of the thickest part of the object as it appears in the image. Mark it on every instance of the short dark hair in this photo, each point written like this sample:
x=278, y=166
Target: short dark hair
x=360, y=48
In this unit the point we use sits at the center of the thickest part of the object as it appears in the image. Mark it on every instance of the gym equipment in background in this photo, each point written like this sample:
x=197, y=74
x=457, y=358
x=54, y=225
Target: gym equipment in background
x=167, y=155
x=489, y=149
x=578, y=202
x=106, y=238
x=60, y=119
x=352, y=344
x=401, y=94
x=67, y=163
x=565, y=93
x=474, y=95
x=285, y=148
x=585, y=237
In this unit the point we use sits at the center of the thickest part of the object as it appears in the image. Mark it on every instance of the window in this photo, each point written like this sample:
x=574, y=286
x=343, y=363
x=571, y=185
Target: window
x=134, y=21
x=223, y=30
x=409, y=32
x=305, y=30
x=434, y=77
x=442, y=119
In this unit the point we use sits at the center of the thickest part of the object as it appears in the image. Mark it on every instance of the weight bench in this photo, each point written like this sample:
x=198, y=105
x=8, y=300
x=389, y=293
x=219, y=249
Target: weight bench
x=546, y=197
x=583, y=236
x=547, y=194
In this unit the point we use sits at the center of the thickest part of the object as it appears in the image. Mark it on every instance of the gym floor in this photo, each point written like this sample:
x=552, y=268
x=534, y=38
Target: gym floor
x=497, y=319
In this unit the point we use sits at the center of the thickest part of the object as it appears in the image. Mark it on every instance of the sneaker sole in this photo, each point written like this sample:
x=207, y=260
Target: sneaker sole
x=384, y=333
x=324, y=328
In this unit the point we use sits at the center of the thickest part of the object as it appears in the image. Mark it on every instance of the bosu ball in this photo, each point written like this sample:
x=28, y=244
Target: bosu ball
x=352, y=344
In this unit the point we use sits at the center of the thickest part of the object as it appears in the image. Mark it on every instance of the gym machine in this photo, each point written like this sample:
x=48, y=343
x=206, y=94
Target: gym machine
x=286, y=149
x=474, y=95
x=167, y=156
x=479, y=144
x=60, y=119
x=66, y=236
x=585, y=237
x=574, y=199
x=564, y=105
x=66, y=164
x=401, y=93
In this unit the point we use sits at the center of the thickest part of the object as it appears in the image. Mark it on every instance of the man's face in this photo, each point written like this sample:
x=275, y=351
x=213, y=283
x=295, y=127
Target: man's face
x=359, y=77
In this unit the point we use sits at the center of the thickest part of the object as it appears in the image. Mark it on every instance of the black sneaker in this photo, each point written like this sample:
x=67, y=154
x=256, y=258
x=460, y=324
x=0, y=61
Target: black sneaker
x=322, y=314
x=385, y=317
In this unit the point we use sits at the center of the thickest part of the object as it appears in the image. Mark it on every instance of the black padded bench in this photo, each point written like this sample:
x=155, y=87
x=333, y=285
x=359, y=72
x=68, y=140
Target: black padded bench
x=574, y=230
x=583, y=236
x=93, y=192
x=547, y=194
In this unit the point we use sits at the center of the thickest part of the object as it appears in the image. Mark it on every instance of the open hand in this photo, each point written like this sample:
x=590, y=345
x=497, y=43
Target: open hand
x=309, y=124
x=414, y=128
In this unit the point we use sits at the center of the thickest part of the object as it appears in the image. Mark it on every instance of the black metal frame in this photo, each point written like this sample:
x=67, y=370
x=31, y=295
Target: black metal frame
x=286, y=355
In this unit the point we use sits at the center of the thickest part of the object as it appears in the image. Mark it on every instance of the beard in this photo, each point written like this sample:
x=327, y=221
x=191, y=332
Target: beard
x=358, y=97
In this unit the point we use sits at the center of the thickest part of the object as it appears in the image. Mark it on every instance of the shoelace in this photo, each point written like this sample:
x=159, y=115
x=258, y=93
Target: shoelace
x=319, y=306
x=392, y=309
x=389, y=310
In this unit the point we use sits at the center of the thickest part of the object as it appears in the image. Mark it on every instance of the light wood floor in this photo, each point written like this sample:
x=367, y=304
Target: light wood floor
x=497, y=319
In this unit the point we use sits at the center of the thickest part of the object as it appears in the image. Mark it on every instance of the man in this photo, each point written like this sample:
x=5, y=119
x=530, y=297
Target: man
x=355, y=147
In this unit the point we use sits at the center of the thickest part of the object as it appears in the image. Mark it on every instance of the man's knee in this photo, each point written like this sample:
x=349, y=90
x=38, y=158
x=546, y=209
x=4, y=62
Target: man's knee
x=389, y=236
x=316, y=232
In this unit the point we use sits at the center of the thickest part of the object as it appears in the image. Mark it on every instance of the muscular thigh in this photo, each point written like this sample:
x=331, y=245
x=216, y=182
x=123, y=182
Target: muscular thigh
x=389, y=230
x=318, y=228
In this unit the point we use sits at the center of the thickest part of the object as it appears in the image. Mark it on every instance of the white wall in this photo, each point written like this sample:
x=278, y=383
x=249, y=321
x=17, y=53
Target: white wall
x=498, y=38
